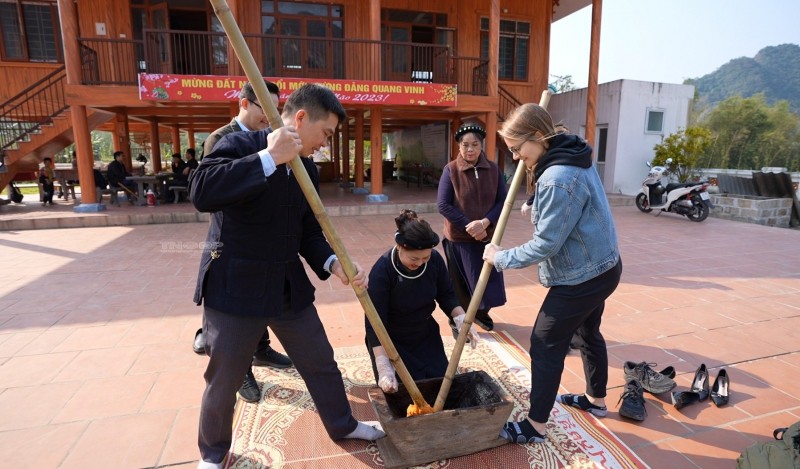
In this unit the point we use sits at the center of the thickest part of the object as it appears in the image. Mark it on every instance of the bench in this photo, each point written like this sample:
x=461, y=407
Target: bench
x=65, y=189
x=177, y=191
x=110, y=192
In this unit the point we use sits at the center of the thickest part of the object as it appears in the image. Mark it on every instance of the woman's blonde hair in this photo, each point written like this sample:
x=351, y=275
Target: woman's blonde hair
x=531, y=122
x=528, y=120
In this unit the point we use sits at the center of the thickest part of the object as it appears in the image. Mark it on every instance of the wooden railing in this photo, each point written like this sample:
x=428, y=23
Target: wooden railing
x=471, y=74
x=507, y=103
x=118, y=61
x=111, y=61
x=33, y=107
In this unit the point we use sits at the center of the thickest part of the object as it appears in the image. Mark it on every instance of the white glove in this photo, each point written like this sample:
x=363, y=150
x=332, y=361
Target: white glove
x=387, y=380
x=525, y=209
x=473, y=334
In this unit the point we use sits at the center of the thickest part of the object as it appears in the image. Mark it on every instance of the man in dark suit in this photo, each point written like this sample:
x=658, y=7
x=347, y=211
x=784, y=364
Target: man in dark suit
x=250, y=117
x=251, y=275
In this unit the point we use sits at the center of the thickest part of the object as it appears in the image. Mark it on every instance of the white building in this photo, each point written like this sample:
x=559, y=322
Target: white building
x=632, y=117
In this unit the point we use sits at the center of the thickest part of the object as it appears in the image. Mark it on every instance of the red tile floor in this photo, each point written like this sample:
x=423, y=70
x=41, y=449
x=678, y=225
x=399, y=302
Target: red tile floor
x=96, y=325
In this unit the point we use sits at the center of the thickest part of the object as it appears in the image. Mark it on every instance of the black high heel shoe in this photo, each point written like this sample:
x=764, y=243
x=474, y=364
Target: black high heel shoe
x=720, y=391
x=700, y=383
x=681, y=399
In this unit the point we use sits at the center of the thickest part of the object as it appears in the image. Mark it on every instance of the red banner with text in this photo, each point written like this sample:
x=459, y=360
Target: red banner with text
x=197, y=88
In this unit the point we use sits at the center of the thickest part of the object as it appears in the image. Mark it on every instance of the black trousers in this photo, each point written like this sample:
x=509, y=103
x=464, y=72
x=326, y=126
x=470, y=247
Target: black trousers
x=567, y=311
x=48, y=189
x=230, y=341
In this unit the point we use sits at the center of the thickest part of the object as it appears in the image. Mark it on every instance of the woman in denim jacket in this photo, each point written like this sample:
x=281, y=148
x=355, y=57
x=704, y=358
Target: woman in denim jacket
x=575, y=245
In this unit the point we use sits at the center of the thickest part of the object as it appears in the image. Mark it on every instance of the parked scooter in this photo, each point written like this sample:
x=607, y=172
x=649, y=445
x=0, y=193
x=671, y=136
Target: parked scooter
x=688, y=198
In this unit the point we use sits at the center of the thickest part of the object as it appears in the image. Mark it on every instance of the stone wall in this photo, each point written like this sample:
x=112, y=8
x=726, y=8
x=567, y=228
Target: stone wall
x=752, y=209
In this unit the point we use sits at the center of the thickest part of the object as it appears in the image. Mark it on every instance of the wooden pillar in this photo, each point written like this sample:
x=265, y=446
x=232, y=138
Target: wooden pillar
x=359, y=156
x=494, y=46
x=456, y=123
x=84, y=154
x=335, y=153
x=121, y=138
x=192, y=142
x=376, y=151
x=346, y=152
x=155, y=146
x=375, y=35
x=491, y=135
x=176, y=139
x=68, y=17
x=594, y=60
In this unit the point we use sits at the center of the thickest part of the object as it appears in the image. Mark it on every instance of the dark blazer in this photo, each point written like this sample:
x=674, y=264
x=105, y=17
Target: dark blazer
x=252, y=260
x=215, y=136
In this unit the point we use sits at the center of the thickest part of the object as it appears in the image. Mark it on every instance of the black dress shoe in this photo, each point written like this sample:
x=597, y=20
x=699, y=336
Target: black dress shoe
x=700, y=382
x=721, y=389
x=199, y=344
x=681, y=399
x=483, y=320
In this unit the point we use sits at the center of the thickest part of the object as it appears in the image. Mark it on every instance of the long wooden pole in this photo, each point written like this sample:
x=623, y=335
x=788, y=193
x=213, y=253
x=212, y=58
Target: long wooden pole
x=223, y=12
x=483, y=279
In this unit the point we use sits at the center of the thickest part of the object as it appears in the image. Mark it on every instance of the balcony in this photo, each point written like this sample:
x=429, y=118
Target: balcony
x=119, y=61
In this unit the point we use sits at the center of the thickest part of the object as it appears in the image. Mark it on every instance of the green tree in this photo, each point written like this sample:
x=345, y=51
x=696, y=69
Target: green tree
x=562, y=83
x=685, y=147
x=780, y=146
x=748, y=133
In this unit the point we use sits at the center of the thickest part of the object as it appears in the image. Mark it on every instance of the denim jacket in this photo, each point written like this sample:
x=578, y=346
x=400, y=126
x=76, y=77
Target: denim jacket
x=574, y=238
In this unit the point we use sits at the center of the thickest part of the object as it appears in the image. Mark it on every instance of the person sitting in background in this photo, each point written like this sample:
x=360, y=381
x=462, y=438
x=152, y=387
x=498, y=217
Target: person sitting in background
x=405, y=284
x=191, y=161
x=47, y=177
x=117, y=174
x=180, y=177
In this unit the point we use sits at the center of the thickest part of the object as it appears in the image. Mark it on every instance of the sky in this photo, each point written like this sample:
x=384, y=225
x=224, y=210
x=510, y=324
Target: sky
x=670, y=40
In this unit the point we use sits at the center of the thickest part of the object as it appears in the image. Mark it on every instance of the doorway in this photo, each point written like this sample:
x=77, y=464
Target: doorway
x=190, y=50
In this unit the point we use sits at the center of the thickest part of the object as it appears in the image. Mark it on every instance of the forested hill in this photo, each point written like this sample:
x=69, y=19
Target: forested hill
x=774, y=71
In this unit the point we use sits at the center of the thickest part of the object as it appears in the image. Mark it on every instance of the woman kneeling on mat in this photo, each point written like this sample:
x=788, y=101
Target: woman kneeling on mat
x=575, y=244
x=405, y=284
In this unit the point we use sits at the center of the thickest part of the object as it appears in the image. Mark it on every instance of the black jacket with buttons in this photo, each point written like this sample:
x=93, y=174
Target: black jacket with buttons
x=260, y=227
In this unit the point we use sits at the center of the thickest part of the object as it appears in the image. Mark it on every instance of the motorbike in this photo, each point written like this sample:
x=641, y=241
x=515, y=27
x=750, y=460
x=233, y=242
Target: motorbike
x=690, y=199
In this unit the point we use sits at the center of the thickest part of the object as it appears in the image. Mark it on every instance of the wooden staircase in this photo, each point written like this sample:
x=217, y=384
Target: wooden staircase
x=36, y=123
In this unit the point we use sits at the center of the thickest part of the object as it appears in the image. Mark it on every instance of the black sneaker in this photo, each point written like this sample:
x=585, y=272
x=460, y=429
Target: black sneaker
x=632, y=399
x=249, y=392
x=581, y=402
x=484, y=321
x=651, y=380
x=271, y=357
